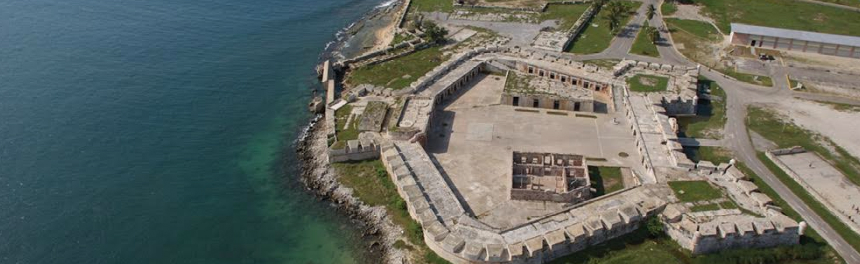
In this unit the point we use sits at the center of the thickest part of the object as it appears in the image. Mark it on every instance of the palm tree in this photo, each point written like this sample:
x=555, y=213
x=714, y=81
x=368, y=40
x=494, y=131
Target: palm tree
x=616, y=12
x=651, y=11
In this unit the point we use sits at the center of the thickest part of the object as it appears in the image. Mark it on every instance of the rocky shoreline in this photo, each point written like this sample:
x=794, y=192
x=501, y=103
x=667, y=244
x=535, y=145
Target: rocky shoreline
x=378, y=232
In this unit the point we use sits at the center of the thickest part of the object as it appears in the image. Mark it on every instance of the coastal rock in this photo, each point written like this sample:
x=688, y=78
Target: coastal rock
x=321, y=179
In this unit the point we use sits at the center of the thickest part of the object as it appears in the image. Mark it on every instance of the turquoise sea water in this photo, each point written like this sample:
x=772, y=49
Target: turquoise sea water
x=160, y=131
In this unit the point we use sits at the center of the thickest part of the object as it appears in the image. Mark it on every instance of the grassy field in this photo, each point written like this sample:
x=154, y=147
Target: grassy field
x=605, y=63
x=605, y=179
x=693, y=38
x=372, y=185
x=711, y=117
x=783, y=14
x=644, y=46
x=344, y=133
x=596, y=39
x=750, y=78
x=694, y=27
x=694, y=191
x=668, y=8
x=565, y=14
x=431, y=5
x=647, y=83
x=398, y=73
x=785, y=134
x=716, y=155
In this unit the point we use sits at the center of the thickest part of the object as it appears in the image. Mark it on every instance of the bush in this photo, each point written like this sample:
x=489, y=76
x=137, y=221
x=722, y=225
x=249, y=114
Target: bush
x=655, y=227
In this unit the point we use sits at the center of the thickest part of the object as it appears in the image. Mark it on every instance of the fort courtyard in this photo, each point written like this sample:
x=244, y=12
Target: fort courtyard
x=474, y=136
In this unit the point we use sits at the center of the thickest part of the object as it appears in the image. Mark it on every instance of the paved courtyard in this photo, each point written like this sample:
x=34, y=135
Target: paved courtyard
x=473, y=139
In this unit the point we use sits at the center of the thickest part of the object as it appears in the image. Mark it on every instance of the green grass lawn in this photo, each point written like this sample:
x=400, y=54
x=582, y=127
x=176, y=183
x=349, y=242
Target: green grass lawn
x=344, y=133
x=372, y=185
x=431, y=5
x=788, y=14
x=596, y=39
x=668, y=8
x=696, y=28
x=750, y=78
x=785, y=134
x=605, y=179
x=565, y=14
x=647, y=83
x=400, y=38
x=694, y=191
x=711, y=117
x=644, y=46
x=605, y=63
x=715, y=155
x=398, y=73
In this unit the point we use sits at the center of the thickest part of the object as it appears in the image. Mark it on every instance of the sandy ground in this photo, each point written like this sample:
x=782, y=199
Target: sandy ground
x=841, y=127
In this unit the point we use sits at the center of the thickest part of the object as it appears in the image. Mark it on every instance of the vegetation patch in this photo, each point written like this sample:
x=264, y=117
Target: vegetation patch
x=695, y=39
x=710, y=116
x=788, y=14
x=400, y=72
x=597, y=35
x=586, y=116
x=556, y=113
x=605, y=179
x=431, y=6
x=566, y=15
x=648, y=83
x=715, y=155
x=373, y=186
x=644, y=44
x=604, y=63
x=749, y=78
x=694, y=191
x=668, y=8
x=343, y=132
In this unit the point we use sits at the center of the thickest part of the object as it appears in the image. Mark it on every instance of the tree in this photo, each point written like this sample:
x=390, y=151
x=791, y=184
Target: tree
x=616, y=11
x=651, y=11
x=434, y=33
x=652, y=33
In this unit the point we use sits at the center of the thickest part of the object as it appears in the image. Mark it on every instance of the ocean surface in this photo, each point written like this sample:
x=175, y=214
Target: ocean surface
x=161, y=131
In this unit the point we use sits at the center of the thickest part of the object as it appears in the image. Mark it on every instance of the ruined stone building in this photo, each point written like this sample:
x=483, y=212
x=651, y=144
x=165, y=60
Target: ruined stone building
x=561, y=178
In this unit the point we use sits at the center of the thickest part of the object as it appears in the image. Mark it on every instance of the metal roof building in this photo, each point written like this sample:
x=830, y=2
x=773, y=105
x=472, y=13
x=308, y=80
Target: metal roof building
x=795, y=40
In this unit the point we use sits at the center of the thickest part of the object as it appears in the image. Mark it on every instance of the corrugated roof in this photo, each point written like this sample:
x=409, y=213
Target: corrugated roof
x=796, y=34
